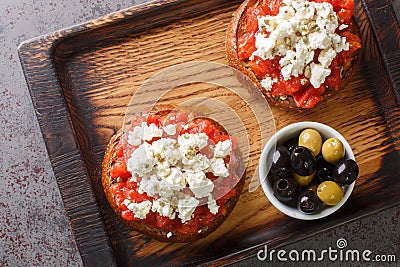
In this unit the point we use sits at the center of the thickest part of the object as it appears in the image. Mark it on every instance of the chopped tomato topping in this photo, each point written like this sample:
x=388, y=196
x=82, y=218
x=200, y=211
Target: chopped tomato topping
x=175, y=118
x=344, y=58
x=128, y=215
x=246, y=45
x=134, y=196
x=253, y=13
x=260, y=66
x=119, y=199
x=118, y=169
x=203, y=126
x=307, y=98
x=162, y=221
x=345, y=15
x=342, y=4
x=137, y=121
x=154, y=118
x=354, y=40
x=271, y=7
x=115, y=188
x=119, y=149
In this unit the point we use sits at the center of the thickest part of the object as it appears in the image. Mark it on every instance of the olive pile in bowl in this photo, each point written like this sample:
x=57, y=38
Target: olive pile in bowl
x=308, y=170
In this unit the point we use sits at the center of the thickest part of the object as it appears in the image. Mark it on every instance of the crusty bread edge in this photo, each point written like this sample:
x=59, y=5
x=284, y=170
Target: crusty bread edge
x=236, y=26
x=156, y=233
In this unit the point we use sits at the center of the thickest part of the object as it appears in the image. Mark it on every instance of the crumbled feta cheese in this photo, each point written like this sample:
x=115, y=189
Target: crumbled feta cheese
x=163, y=208
x=195, y=162
x=326, y=56
x=218, y=167
x=140, y=210
x=151, y=131
x=170, y=150
x=176, y=178
x=170, y=129
x=139, y=163
x=212, y=204
x=126, y=202
x=268, y=82
x=149, y=185
x=343, y=26
x=135, y=137
x=318, y=74
x=143, y=132
x=163, y=169
x=192, y=142
x=299, y=29
x=169, y=235
x=223, y=149
x=199, y=184
x=186, y=207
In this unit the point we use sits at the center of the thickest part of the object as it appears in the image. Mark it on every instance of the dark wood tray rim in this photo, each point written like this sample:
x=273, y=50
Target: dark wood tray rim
x=46, y=44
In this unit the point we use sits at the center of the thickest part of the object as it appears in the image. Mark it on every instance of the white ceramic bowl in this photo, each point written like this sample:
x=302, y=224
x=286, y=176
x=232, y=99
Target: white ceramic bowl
x=284, y=135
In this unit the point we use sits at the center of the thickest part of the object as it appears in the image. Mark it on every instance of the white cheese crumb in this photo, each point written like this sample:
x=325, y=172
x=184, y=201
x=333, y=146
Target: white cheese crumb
x=163, y=208
x=151, y=131
x=135, y=137
x=176, y=178
x=170, y=129
x=268, y=82
x=169, y=235
x=318, y=74
x=149, y=185
x=343, y=26
x=223, y=149
x=326, y=56
x=199, y=184
x=218, y=168
x=186, y=207
x=139, y=162
x=126, y=202
x=189, y=142
x=212, y=205
x=140, y=210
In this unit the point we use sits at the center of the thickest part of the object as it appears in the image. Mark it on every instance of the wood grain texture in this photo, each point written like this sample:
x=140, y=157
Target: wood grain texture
x=81, y=79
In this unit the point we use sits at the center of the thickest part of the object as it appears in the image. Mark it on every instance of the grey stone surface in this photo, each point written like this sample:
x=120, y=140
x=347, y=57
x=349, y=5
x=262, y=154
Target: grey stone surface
x=34, y=230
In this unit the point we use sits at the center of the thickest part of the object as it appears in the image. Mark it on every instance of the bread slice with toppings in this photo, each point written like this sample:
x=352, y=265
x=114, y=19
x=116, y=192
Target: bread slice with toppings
x=156, y=226
x=244, y=50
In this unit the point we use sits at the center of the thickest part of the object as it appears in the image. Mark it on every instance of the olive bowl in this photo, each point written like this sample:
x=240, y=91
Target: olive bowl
x=281, y=137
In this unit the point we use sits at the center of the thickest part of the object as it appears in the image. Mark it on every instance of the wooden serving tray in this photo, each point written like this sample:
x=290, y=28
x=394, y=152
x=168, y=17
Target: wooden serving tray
x=82, y=78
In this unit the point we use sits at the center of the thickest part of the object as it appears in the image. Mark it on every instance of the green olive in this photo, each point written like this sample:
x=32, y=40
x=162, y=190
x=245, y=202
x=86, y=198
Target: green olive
x=330, y=193
x=332, y=150
x=311, y=139
x=303, y=180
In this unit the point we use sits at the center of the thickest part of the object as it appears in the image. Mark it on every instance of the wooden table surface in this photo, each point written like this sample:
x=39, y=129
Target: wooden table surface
x=34, y=229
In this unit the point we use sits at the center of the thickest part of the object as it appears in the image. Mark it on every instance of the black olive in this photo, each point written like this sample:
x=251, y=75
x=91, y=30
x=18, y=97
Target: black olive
x=292, y=143
x=345, y=172
x=308, y=202
x=303, y=161
x=281, y=162
x=286, y=189
x=324, y=170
